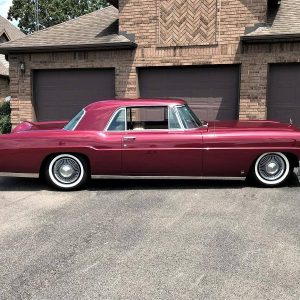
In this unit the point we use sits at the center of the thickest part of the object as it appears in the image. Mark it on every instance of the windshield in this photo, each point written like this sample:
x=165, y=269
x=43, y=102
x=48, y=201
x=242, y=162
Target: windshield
x=188, y=118
x=75, y=121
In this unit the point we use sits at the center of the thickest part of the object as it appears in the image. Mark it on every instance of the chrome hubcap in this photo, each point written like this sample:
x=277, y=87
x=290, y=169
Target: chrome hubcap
x=66, y=170
x=271, y=167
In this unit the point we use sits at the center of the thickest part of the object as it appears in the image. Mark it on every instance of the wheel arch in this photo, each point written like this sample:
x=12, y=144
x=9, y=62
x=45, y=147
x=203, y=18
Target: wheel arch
x=292, y=158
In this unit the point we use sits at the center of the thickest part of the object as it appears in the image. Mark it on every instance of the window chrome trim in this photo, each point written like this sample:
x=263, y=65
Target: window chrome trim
x=112, y=119
x=84, y=112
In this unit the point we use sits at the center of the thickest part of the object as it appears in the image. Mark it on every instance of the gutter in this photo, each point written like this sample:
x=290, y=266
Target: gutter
x=63, y=48
x=271, y=38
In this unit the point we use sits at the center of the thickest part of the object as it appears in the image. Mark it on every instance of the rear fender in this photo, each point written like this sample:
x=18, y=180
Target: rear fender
x=28, y=126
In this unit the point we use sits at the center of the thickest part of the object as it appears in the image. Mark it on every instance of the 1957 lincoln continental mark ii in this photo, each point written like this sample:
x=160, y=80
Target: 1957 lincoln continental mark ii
x=149, y=138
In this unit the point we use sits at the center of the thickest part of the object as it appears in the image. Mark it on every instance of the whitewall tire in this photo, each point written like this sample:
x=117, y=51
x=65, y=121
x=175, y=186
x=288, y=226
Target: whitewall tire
x=67, y=172
x=272, y=169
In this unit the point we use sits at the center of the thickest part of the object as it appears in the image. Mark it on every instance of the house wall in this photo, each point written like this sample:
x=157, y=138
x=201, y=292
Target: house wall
x=21, y=82
x=218, y=44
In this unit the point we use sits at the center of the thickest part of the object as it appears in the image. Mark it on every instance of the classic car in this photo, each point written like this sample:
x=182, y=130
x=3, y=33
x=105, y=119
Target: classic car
x=149, y=138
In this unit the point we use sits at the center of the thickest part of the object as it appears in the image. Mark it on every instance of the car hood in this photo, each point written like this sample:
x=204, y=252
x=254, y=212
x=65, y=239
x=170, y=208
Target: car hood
x=249, y=126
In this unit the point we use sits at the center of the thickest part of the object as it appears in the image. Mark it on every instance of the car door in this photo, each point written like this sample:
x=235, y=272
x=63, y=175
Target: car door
x=155, y=144
x=107, y=154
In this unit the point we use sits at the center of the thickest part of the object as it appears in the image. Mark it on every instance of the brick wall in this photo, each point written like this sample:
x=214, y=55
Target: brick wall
x=256, y=59
x=141, y=18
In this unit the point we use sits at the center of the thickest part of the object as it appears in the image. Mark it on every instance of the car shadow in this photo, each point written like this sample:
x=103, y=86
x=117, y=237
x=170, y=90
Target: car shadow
x=165, y=184
x=28, y=184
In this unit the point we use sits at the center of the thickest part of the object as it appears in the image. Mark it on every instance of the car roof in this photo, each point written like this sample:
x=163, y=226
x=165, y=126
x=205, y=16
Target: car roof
x=134, y=102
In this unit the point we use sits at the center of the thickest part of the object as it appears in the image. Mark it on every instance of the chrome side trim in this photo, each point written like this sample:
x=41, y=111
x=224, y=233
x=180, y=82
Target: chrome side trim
x=25, y=175
x=166, y=177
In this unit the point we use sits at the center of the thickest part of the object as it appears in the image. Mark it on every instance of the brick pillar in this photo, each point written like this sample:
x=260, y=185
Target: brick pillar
x=253, y=90
x=126, y=76
x=20, y=88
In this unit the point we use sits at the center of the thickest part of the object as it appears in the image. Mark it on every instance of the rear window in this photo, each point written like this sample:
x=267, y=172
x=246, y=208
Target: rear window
x=75, y=121
x=118, y=122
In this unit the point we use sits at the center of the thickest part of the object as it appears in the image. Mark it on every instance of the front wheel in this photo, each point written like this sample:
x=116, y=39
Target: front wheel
x=66, y=172
x=272, y=169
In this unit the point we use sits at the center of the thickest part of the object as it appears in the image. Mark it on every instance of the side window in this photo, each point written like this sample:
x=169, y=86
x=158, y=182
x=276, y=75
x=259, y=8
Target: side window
x=173, y=121
x=118, y=122
x=188, y=118
x=147, y=118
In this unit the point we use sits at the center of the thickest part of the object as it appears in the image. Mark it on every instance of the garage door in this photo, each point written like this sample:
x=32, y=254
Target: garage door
x=212, y=91
x=284, y=93
x=60, y=94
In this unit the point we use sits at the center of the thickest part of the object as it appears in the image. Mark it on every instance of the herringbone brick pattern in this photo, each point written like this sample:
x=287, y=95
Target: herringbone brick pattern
x=187, y=22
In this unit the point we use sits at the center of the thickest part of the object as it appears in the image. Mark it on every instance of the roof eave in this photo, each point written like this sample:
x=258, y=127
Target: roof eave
x=271, y=38
x=67, y=48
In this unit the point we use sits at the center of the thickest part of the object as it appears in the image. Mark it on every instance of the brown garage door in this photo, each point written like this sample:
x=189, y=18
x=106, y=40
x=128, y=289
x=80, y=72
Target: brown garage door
x=60, y=94
x=212, y=91
x=284, y=93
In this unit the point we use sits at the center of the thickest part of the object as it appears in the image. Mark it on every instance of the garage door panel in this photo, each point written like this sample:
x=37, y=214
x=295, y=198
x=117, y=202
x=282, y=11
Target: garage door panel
x=280, y=94
x=284, y=93
x=284, y=115
x=60, y=94
x=211, y=91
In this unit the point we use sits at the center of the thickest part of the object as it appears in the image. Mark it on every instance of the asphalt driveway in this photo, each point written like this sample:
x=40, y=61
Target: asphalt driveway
x=149, y=240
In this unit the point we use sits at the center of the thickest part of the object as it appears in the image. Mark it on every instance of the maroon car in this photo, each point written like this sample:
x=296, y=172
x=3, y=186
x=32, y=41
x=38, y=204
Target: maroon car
x=149, y=138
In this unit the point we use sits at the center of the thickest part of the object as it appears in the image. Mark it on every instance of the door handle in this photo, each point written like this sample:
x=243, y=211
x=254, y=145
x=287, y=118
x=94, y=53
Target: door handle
x=129, y=138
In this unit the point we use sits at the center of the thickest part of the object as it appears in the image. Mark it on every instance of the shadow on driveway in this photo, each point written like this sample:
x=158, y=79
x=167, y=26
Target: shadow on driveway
x=28, y=184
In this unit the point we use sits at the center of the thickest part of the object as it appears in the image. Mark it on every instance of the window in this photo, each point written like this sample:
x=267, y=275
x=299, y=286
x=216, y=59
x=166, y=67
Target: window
x=118, y=122
x=173, y=120
x=75, y=121
x=147, y=118
x=188, y=118
x=3, y=38
x=144, y=118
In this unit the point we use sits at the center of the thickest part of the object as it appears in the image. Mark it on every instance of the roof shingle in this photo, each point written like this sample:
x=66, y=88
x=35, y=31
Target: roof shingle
x=286, y=23
x=98, y=29
x=12, y=33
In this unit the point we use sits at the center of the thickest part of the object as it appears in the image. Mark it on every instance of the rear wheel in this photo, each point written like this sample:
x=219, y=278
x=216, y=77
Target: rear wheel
x=272, y=169
x=67, y=172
